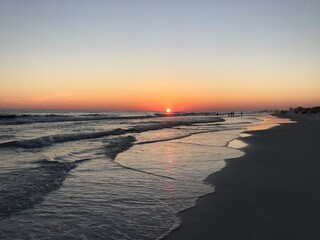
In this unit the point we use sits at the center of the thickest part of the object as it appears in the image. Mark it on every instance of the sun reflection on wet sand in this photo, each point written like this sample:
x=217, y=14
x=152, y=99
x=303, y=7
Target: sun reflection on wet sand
x=268, y=122
x=244, y=135
x=169, y=153
x=236, y=143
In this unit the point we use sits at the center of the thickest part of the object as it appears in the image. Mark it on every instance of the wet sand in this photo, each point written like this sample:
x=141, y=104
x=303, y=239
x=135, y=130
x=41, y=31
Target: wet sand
x=272, y=192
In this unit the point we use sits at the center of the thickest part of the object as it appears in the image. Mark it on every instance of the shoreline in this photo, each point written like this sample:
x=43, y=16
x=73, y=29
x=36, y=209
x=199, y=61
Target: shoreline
x=257, y=195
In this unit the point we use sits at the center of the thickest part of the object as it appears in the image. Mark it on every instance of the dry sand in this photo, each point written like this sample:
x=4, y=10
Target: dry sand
x=273, y=192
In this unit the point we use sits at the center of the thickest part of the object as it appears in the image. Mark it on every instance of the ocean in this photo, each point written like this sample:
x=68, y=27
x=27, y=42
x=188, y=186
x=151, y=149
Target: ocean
x=107, y=175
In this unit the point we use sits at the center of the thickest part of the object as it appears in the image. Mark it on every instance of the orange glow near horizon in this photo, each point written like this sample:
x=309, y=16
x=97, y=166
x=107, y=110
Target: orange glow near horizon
x=168, y=110
x=114, y=57
x=143, y=100
x=154, y=87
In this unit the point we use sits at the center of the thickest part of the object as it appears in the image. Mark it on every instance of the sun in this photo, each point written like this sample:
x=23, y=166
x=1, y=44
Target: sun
x=168, y=110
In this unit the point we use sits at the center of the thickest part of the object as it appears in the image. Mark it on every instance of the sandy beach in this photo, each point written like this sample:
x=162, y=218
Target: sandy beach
x=272, y=192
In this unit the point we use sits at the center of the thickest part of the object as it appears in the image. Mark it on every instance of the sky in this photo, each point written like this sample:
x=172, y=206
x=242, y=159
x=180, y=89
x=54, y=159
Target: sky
x=150, y=55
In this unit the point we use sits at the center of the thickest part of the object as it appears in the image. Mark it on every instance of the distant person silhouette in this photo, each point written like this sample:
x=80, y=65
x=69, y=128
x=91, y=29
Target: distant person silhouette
x=241, y=114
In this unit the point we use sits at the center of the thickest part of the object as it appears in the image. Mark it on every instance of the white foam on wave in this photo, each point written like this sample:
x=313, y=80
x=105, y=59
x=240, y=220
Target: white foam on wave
x=49, y=140
x=14, y=119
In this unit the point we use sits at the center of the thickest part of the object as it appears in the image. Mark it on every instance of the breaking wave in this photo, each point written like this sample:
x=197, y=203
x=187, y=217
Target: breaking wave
x=14, y=119
x=49, y=140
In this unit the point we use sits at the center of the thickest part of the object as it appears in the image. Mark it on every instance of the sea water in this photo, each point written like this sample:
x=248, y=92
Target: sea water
x=107, y=175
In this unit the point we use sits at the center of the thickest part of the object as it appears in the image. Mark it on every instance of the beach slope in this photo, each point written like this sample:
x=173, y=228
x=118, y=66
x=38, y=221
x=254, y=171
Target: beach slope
x=272, y=192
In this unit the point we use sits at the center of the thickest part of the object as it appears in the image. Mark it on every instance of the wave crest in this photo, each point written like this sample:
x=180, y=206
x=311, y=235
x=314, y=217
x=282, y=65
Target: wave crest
x=49, y=140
